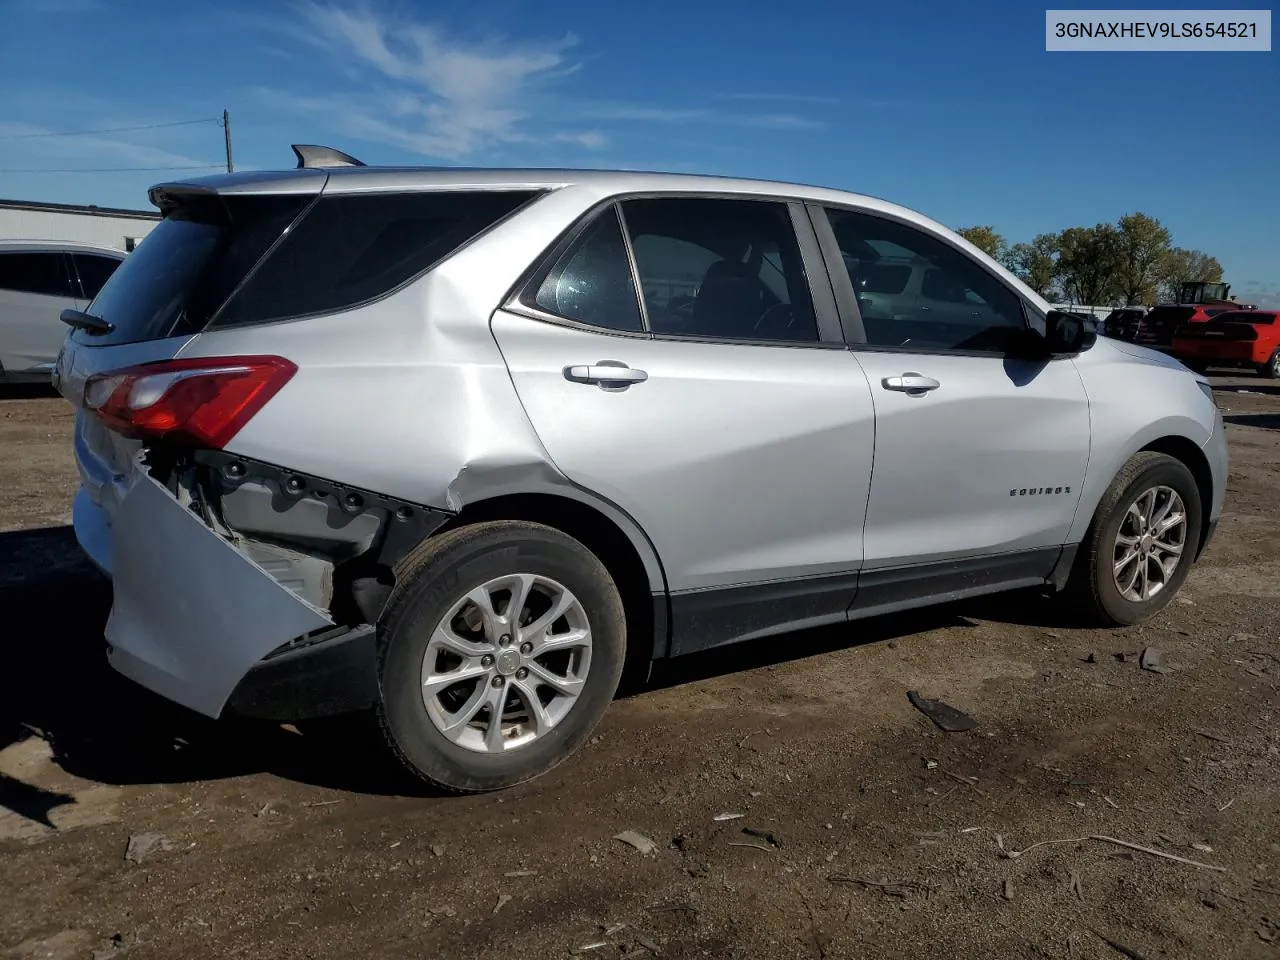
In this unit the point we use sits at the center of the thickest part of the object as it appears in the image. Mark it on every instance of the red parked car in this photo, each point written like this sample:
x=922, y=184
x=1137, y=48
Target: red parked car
x=1238, y=338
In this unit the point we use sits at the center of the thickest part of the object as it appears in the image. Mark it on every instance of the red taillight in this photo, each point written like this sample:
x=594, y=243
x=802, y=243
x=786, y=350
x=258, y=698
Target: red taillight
x=203, y=401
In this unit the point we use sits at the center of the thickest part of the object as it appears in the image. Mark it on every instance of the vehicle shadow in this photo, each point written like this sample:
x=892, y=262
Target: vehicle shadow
x=1260, y=387
x=1266, y=421
x=27, y=391
x=55, y=683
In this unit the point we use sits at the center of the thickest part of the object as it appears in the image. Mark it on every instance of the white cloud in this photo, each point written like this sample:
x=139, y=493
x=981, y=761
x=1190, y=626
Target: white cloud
x=417, y=87
x=432, y=93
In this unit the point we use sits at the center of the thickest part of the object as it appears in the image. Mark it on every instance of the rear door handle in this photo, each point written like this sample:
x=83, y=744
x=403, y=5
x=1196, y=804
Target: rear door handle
x=912, y=383
x=607, y=374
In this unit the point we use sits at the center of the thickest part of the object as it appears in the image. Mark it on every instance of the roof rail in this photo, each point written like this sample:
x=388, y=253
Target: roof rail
x=311, y=155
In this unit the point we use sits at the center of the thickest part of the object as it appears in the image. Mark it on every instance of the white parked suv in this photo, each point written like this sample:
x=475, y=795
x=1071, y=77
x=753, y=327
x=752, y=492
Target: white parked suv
x=456, y=444
x=38, y=280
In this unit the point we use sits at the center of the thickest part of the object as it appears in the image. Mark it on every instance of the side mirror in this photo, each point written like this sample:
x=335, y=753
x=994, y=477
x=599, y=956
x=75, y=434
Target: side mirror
x=1067, y=334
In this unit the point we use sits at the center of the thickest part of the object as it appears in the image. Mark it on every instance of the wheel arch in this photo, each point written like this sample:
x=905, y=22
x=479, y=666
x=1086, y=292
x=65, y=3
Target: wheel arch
x=614, y=538
x=1192, y=456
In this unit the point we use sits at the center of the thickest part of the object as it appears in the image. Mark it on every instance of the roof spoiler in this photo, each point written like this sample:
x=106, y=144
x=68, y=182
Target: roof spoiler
x=311, y=155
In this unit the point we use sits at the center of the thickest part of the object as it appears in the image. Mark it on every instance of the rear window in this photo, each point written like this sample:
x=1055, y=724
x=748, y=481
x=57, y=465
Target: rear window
x=185, y=268
x=230, y=261
x=351, y=249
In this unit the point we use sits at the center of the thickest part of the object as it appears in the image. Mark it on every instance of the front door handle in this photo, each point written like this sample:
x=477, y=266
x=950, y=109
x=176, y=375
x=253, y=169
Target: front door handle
x=607, y=374
x=910, y=383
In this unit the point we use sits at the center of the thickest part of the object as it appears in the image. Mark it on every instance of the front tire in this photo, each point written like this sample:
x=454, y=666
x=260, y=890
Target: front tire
x=1140, y=546
x=498, y=654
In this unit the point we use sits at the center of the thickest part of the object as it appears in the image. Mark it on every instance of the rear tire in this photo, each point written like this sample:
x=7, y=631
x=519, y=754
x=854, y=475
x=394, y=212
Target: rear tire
x=431, y=617
x=1148, y=483
x=1270, y=369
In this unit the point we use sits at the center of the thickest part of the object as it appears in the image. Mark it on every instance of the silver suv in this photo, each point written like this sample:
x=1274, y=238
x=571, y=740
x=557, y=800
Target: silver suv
x=457, y=445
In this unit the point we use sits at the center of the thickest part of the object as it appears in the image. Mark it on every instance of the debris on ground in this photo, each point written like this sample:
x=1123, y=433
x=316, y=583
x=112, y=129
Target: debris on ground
x=1151, y=661
x=767, y=835
x=1076, y=887
x=521, y=873
x=143, y=845
x=1215, y=737
x=264, y=810
x=1014, y=854
x=1092, y=657
x=637, y=840
x=1008, y=890
x=443, y=910
x=895, y=888
x=647, y=944
x=437, y=850
x=754, y=846
x=503, y=900
x=944, y=716
x=588, y=947
x=721, y=817
x=1129, y=952
x=111, y=947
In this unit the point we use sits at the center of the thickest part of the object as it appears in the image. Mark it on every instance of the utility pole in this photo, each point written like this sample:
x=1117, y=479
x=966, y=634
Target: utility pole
x=226, y=134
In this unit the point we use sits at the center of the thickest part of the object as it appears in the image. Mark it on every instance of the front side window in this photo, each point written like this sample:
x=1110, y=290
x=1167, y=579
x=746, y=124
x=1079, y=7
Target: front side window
x=591, y=282
x=44, y=274
x=720, y=269
x=916, y=292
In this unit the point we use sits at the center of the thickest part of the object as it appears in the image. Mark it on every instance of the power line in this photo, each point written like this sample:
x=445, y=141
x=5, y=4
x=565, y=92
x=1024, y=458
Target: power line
x=86, y=133
x=198, y=166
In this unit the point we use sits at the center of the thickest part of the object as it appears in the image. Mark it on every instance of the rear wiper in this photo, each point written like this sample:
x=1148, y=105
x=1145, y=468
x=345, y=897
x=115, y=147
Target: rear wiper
x=86, y=322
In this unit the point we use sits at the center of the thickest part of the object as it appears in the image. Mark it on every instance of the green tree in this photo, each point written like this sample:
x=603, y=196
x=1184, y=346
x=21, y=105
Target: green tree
x=1181, y=266
x=1035, y=263
x=986, y=240
x=1141, y=251
x=1088, y=263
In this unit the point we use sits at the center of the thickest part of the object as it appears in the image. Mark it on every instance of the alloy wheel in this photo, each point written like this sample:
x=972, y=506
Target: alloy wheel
x=1149, y=544
x=507, y=663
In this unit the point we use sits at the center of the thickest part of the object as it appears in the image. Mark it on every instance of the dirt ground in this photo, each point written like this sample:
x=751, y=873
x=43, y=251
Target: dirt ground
x=890, y=838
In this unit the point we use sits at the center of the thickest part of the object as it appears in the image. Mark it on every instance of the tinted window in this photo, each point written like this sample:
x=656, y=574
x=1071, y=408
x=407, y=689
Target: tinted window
x=185, y=268
x=94, y=271
x=950, y=302
x=1245, y=316
x=592, y=282
x=720, y=268
x=350, y=249
x=42, y=273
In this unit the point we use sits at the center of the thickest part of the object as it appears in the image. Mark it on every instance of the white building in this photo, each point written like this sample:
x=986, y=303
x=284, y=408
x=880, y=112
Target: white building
x=100, y=226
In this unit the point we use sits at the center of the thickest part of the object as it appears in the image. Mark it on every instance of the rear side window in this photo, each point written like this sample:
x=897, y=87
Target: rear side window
x=350, y=249
x=94, y=272
x=186, y=267
x=721, y=269
x=39, y=273
x=591, y=282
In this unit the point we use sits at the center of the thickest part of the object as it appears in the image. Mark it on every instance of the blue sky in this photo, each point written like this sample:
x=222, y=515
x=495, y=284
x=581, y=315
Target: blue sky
x=953, y=109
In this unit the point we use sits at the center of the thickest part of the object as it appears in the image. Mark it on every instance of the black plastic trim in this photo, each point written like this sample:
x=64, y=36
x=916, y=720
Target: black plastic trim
x=336, y=674
x=702, y=619
x=407, y=525
x=661, y=626
x=903, y=588
x=1210, y=529
x=1062, y=569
